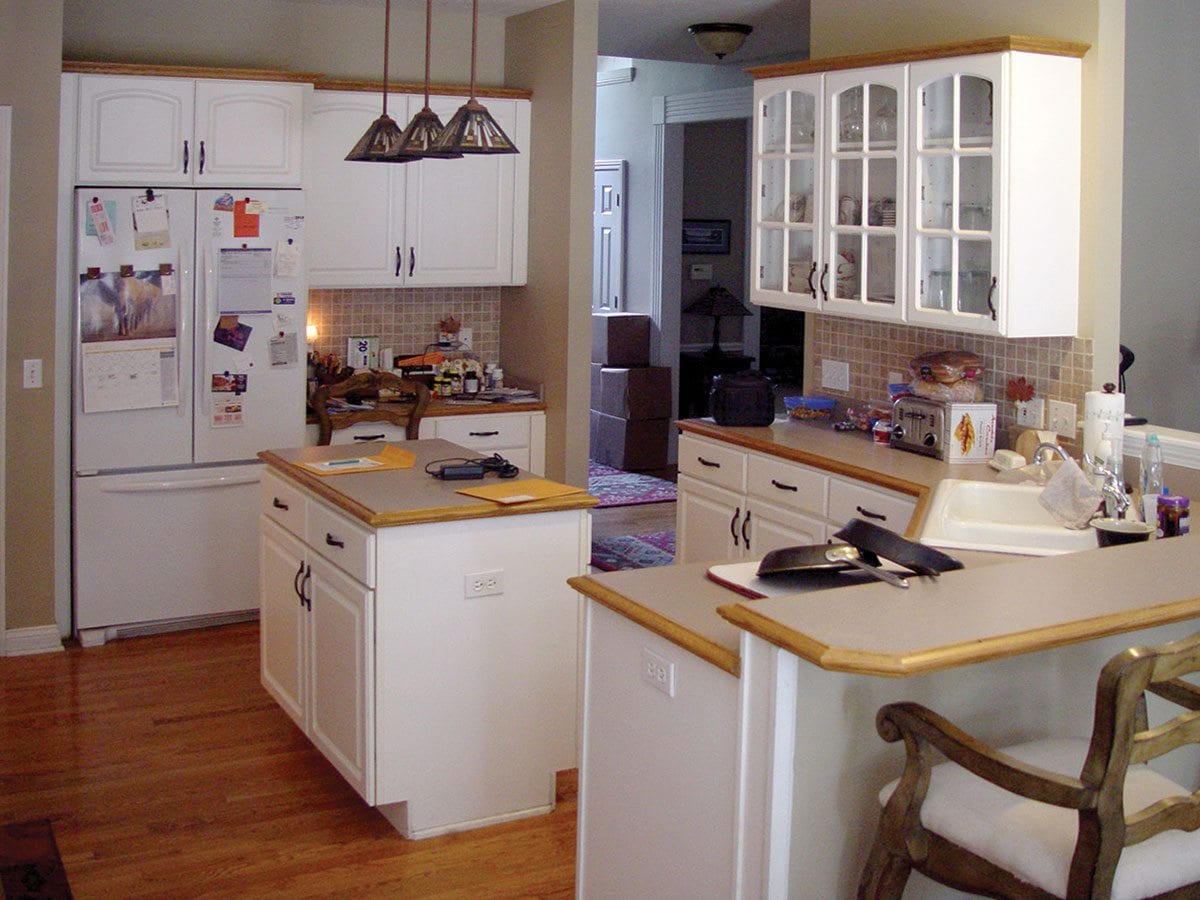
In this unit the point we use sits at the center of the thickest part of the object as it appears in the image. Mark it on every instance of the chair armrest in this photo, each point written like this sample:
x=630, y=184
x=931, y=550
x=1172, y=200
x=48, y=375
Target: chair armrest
x=1178, y=691
x=922, y=727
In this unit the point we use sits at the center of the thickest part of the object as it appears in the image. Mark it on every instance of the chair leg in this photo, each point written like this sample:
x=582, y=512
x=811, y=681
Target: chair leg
x=885, y=874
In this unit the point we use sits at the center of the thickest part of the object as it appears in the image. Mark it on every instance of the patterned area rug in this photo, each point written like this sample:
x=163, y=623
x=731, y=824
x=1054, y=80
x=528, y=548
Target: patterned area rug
x=615, y=487
x=634, y=551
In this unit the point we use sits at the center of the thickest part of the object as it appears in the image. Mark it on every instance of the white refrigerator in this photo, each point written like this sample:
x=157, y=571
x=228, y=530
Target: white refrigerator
x=189, y=358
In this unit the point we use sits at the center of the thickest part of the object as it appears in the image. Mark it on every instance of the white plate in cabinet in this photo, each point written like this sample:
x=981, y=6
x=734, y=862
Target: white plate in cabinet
x=854, y=500
x=717, y=464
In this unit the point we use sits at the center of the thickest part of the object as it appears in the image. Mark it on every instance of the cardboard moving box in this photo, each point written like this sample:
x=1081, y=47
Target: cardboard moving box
x=621, y=339
x=629, y=444
x=643, y=393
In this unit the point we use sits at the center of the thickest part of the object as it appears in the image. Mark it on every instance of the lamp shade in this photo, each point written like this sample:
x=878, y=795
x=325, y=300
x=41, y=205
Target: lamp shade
x=719, y=38
x=717, y=302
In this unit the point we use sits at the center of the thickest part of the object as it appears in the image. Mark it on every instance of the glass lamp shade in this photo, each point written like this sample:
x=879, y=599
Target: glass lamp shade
x=473, y=130
x=719, y=38
x=421, y=134
x=381, y=143
x=717, y=302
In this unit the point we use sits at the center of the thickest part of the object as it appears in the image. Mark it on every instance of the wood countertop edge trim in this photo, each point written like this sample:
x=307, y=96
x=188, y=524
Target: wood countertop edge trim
x=91, y=67
x=668, y=629
x=482, y=510
x=413, y=87
x=435, y=411
x=936, y=659
x=1023, y=43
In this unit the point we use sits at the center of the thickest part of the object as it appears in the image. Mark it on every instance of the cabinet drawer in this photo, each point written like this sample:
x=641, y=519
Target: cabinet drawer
x=716, y=464
x=787, y=484
x=365, y=432
x=280, y=501
x=485, y=432
x=854, y=500
x=349, y=546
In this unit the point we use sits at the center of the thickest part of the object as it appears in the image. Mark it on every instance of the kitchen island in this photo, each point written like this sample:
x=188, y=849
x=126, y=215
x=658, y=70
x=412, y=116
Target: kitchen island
x=425, y=641
x=769, y=705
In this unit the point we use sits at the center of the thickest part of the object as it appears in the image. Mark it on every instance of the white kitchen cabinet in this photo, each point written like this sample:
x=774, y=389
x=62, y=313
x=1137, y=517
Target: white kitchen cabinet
x=941, y=189
x=135, y=129
x=741, y=504
x=432, y=222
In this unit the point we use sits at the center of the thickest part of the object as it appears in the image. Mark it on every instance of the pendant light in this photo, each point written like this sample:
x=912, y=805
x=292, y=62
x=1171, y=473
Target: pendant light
x=472, y=129
x=425, y=128
x=382, y=138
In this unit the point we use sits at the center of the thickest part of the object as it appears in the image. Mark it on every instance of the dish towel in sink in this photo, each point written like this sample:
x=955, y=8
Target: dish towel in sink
x=1070, y=497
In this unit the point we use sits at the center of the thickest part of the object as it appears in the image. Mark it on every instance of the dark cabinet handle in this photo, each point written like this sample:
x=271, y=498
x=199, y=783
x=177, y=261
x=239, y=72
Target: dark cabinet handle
x=824, y=287
x=200, y=171
x=296, y=582
x=186, y=157
x=708, y=462
x=369, y=437
x=812, y=288
x=412, y=260
x=305, y=596
x=278, y=504
x=399, y=261
x=746, y=531
x=784, y=487
x=332, y=541
x=871, y=515
x=483, y=433
x=737, y=514
x=991, y=306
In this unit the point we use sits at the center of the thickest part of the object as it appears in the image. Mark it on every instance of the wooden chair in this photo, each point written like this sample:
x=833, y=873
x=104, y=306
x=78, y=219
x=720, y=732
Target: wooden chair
x=1000, y=823
x=400, y=412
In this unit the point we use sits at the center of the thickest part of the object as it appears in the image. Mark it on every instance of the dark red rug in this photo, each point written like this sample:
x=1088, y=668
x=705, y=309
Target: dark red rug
x=29, y=863
x=616, y=487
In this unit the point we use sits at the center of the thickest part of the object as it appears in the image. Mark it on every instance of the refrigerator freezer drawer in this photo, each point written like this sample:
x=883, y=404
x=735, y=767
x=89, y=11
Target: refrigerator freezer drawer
x=165, y=545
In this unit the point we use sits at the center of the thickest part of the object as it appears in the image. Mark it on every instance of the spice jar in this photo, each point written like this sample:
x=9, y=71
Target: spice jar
x=1173, y=515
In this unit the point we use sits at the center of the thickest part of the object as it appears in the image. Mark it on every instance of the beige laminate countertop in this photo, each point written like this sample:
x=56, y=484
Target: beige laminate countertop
x=406, y=496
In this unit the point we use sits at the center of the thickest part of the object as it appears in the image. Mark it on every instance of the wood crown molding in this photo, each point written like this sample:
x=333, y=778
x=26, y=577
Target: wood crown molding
x=414, y=87
x=1001, y=44
x=109, y=68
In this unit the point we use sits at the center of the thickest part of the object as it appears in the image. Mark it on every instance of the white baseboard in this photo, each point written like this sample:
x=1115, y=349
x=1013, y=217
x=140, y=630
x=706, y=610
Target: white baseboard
x=27, y=641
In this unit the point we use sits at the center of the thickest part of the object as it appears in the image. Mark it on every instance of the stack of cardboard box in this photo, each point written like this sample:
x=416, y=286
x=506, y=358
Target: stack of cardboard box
x=631, y=399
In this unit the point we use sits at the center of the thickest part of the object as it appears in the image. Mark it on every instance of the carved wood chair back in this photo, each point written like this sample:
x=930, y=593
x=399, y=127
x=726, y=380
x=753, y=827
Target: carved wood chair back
x=1124, y=809
x=406, y=410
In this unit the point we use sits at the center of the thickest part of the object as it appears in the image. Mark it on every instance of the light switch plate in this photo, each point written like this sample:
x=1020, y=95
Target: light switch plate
x=1062, y=418
x=1032, y=413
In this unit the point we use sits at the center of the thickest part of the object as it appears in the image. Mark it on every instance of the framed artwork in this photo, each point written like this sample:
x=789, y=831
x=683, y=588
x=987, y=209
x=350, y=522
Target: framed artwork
x=706, y=235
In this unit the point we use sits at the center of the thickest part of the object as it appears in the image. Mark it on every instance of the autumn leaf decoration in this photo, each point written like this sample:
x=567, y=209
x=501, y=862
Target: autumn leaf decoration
x=1019, y=390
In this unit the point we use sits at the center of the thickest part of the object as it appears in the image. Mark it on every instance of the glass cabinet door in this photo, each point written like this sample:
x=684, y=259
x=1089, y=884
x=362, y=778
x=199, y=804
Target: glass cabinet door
x=787, y=194
x=861, y=272
x=955, y=175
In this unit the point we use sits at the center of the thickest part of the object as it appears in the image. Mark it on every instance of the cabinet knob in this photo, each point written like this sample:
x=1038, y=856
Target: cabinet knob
x=369, y=437
x=784, y=487
x=333, y=542
x=278, y=504
x=746, y=531
x=200, y=170
x=483, y=433
x=871, y=515
x=708, y=462
x=737, y=514
x=186, y=157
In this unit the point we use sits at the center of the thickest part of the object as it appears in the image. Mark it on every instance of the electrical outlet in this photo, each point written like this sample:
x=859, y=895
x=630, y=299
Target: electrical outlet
x=1032, y=413
x=835, y=375
x=1062, y=418
x=32, y=373
x=658, y=672
x=483, y=584
x=465, y=337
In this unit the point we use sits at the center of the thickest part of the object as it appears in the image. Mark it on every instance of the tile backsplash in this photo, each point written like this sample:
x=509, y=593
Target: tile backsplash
x=1060, y=368
x=405, y=319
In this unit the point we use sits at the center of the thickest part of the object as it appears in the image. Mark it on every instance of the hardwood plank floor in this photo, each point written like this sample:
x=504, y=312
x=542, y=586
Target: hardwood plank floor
x=168, y=771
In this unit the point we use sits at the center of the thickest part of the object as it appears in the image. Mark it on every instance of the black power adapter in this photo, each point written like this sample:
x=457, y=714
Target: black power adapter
x=458, y=472
x=471, y=469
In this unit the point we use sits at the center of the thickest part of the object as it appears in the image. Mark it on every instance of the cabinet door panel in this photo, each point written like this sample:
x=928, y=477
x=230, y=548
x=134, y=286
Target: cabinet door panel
x=342, y=672
x=132, y=129
x=248, y=133
x=708, y=522
x=772, y=528
x=854, y=500
x=282, y=619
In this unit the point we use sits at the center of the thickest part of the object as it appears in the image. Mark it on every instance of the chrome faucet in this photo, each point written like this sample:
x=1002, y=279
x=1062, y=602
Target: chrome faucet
x=1053, y=448
x=1116, y=501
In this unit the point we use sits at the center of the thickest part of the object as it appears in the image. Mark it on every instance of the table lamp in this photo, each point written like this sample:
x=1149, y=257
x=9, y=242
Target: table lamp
x=717, y=302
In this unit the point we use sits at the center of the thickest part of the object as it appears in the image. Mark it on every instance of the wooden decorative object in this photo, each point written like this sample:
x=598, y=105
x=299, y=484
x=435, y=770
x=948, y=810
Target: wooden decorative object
x=1120, y=738
x=402, y=412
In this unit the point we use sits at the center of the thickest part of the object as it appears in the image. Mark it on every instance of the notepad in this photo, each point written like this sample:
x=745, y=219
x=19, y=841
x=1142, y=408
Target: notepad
x=521, y=491
x=389, y=457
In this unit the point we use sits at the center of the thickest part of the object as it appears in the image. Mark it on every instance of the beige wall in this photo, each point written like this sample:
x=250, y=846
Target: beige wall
x=546, y=325
x=857, y=26
x=30, y=35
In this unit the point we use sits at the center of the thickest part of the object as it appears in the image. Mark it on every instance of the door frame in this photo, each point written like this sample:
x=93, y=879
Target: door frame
x=5, y=170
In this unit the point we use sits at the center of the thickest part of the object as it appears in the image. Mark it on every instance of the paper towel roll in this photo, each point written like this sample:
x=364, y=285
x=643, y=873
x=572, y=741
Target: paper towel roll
x=1104, y=417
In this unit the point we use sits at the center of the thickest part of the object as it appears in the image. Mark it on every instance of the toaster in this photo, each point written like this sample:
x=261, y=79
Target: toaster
x=955, y=432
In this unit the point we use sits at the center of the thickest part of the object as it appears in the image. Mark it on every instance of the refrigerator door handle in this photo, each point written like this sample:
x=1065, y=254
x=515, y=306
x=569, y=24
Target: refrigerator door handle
x=157, y=485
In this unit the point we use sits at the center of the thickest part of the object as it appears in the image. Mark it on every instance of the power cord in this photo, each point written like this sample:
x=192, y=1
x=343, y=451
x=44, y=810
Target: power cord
x=461, y=468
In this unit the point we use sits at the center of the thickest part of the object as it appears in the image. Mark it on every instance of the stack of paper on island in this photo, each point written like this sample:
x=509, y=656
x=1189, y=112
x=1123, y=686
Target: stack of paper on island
x=390, y=457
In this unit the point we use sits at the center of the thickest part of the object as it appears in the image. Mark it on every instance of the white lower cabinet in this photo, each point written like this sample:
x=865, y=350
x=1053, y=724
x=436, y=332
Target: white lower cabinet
x=741, y=504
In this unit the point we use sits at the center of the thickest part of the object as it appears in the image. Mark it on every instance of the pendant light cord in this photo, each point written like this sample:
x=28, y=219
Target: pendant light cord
x=428, y=31
x=474, y=32
x=387, y=29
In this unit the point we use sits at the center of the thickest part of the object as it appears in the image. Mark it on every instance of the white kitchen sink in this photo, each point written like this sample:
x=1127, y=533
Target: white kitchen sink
x=996, y=517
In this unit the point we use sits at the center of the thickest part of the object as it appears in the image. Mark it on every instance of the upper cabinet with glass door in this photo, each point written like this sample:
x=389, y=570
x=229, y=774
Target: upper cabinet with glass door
x=938, y=186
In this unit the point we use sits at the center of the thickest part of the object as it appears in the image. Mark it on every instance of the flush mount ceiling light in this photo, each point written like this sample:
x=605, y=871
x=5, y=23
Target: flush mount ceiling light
x=719, y=38
x=425, y=128
x=382, y=138
x=472, y=129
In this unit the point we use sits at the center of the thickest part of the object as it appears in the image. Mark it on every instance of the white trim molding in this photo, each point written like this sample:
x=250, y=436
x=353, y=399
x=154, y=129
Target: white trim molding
x=1179, y=448
x=708, y=106
x=615, y=76
x=28, y=641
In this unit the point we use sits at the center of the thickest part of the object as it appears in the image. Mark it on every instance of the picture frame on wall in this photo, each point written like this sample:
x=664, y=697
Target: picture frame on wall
x=706, y=235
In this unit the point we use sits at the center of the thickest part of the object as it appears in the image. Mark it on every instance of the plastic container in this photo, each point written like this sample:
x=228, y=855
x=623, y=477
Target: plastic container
x=809, y=407
x=1173, y=515
x=1151, y=478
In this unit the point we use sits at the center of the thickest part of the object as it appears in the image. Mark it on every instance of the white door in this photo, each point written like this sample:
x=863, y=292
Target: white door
x=249, y=379
x=608, y=236
x=342, y=698
x=112, y=348
x=134, y=130
x=355, y=210
x=283, y=618
x=248, y=133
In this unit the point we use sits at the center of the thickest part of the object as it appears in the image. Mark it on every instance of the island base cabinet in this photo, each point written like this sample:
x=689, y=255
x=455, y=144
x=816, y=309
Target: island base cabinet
x=657, y=792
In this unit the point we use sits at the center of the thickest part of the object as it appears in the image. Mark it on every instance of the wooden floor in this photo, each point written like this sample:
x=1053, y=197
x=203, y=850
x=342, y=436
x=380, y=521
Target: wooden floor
x=167, y=771
x=644, y=518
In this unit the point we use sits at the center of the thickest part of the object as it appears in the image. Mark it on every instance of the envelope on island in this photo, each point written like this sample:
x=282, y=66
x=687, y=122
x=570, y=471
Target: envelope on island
x=390, y=457
x=522, y=491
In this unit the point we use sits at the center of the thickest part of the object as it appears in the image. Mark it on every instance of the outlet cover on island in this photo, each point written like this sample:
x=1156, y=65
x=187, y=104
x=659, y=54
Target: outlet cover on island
x=835, y=375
